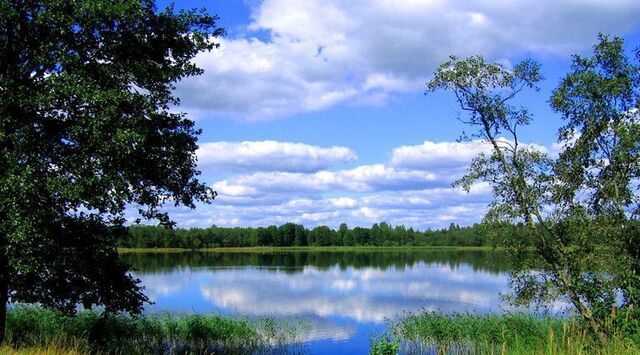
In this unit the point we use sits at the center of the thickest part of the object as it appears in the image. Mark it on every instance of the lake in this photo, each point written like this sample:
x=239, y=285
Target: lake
x=341, y=298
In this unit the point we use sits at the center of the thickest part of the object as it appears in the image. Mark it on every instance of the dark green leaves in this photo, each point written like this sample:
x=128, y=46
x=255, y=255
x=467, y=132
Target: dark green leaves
x=87, y=127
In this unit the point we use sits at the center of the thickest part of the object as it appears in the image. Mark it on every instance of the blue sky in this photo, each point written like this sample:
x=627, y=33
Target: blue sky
x=314, y=111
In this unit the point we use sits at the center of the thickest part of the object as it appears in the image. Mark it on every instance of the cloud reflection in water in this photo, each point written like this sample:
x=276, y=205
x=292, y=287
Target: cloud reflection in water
x=362, y=294
x=335, y=297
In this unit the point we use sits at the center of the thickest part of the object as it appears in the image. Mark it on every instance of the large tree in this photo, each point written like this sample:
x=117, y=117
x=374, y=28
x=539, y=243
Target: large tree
x=573, y=204
x=87, y=128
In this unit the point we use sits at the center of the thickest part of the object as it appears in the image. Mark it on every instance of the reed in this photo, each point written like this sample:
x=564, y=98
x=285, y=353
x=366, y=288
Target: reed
x=42, y=331
x=435, y=333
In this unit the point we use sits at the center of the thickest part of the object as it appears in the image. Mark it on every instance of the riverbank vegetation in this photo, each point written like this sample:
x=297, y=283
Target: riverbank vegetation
x=499, y=334
x=32, y=329
x=296, y=235
x=311, y=249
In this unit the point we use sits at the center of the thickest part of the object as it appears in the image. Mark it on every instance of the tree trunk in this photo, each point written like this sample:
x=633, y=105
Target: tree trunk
x=595, y=325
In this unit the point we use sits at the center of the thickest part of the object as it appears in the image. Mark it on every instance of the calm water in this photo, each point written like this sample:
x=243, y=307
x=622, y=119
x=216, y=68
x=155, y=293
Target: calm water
x=342, y=298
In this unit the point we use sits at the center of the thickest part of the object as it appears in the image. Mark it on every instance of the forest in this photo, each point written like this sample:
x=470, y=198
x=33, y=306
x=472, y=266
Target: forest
x=291, y=234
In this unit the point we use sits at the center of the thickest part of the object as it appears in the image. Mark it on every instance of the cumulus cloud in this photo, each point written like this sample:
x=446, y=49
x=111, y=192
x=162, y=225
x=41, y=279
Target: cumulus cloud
x=322, y=53
x=270, y=156
x=431, y=165
x=439, y=156
x=363, y=178
x=426, y=208
x=412, y=188
x=434, y=155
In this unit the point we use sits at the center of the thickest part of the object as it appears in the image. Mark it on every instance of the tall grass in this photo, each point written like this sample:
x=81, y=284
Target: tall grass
x=48, y=331
x=435, y=333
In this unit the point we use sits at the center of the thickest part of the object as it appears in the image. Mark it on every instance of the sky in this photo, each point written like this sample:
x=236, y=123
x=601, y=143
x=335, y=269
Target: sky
x=314, y=111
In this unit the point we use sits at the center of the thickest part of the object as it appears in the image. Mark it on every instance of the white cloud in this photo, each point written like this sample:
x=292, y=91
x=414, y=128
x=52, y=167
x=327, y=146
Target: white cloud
x=270, y=156
x=378, y=177
x=429, y=166
x=343, y=202
x=326, y=52
x=452, y=157
x=369, y=213
x=433, y=155
x=413, y=188
x=421, y=209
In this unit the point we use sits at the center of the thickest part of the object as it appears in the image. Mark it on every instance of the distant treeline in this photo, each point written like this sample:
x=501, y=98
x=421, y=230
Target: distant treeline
x=291, y=234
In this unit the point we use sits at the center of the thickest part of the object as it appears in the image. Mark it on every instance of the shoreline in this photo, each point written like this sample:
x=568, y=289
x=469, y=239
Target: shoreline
x=32, y=329
x=306, y=249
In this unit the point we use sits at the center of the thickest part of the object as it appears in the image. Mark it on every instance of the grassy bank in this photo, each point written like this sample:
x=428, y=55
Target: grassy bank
x=497, y=334
x=299, y=249
x=36, y=330
x=32, y=330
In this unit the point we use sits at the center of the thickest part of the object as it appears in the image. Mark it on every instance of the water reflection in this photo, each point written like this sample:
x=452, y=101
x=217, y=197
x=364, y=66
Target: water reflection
x=366, y=294
x=489, y=261
x=341, y=297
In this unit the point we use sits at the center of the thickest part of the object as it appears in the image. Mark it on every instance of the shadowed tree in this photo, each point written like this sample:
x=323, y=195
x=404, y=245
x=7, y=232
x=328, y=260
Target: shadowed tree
x=572, y=205
x=86, y=129
x=321, y=236
x=300, y=238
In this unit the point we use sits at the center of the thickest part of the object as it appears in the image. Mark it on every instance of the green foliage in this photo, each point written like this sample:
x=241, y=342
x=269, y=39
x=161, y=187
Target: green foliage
x=508, y=333
x=570, y=206
x=494, y=329
x=599, y=101
x=87, y=331
x=297, y=235
x=384, y=346
x=87, y=128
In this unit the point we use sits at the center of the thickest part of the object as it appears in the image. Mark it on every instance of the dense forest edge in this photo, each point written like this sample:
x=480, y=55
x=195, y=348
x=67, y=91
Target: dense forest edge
x=296, y=235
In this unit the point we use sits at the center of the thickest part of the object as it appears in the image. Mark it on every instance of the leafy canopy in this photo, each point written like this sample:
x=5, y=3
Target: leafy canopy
x=87, y=127
x=572, y=204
